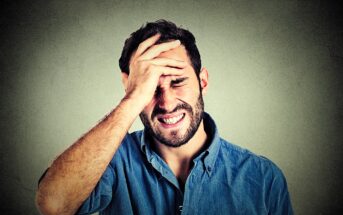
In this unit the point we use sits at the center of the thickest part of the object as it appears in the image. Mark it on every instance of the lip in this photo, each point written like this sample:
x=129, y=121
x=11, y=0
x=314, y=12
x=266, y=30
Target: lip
x=165, y=125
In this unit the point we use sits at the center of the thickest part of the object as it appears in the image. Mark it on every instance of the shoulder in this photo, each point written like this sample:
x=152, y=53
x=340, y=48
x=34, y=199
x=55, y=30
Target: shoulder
x=130, y=148
x=256, y=175
x=132, y=141
x=244, y=160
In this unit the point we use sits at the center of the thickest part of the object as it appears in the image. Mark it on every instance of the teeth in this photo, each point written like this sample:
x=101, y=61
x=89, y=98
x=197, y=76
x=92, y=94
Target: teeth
x=172, y=120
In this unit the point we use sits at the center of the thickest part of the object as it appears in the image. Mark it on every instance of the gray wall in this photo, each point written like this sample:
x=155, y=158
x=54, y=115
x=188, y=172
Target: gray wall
x=275, y=71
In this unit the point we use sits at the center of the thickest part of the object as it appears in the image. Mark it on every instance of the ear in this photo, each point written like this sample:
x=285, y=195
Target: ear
x=203, y=76
x=124, y=79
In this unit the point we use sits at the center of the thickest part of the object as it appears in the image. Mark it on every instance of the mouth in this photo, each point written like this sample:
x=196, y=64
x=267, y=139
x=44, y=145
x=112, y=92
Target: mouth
x=171, y=120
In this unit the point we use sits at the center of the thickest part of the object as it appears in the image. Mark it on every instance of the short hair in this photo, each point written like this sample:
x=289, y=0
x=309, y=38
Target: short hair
x=168, y=31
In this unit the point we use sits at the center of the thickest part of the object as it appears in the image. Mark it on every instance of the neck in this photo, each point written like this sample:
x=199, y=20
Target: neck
x=179, y=159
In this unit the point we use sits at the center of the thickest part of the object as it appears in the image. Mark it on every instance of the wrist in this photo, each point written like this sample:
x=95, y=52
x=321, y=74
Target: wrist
x=134, y=104
x=138, y=98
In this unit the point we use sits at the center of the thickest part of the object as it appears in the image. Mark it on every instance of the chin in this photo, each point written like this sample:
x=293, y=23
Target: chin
x=176, y=137
x=174, y=128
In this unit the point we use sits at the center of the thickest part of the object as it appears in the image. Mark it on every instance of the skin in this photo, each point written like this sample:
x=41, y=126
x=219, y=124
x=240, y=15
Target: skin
x=74, y=174
x=179, y=158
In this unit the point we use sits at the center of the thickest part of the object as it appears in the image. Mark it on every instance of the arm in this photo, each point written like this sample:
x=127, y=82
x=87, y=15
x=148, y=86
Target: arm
x=75, y=173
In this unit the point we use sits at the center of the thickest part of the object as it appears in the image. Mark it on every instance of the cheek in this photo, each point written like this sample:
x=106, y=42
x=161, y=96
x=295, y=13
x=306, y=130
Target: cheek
x=187, y=94
x=183, y=92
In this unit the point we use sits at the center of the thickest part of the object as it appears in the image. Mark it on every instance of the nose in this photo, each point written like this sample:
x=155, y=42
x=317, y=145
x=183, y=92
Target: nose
x=166, y=99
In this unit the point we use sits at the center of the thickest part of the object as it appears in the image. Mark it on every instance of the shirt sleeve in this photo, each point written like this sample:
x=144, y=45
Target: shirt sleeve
x=279, y=199
x=101, y=196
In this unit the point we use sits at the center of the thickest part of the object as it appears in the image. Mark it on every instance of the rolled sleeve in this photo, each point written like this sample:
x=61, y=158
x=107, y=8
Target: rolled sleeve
x=101, y=196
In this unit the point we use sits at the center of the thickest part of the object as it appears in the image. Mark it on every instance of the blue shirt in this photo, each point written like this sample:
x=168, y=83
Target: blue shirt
x=225, y=179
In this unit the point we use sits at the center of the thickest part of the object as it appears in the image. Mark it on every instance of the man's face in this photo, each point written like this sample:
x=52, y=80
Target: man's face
x=175, y=113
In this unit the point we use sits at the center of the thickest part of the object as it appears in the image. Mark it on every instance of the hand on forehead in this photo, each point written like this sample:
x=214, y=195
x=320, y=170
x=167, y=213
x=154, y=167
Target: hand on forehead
x=149, y=49
x=165, y=80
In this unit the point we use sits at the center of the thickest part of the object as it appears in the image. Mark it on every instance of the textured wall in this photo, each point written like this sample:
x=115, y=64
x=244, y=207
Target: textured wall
x=275, y=72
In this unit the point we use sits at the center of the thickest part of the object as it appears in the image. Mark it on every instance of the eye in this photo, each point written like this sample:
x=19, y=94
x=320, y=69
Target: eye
x=178, y=82
x=178, y=85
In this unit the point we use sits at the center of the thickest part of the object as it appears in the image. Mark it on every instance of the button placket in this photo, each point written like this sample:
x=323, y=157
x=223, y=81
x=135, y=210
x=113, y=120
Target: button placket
x=180, y=209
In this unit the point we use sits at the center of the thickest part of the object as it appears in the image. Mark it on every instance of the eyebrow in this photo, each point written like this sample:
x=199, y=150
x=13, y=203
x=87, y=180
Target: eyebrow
x=178, y=80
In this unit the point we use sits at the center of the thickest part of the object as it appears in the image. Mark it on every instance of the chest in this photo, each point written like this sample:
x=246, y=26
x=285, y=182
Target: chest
x=154, y=189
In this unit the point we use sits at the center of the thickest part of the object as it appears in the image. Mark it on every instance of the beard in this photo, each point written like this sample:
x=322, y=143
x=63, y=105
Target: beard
x=176, y=140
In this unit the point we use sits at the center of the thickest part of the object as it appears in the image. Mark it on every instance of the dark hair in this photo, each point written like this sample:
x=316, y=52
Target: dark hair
x=169, y=31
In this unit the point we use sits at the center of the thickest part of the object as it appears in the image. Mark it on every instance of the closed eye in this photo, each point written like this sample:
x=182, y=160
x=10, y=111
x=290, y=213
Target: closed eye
x=178, y=82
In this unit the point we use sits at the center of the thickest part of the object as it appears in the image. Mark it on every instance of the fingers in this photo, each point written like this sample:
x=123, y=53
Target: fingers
x=143, y=46
x=156, y=50
x=168, y=62
x=166, y=71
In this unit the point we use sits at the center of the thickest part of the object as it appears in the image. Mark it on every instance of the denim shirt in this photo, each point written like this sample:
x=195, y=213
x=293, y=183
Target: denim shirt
x=225, y=179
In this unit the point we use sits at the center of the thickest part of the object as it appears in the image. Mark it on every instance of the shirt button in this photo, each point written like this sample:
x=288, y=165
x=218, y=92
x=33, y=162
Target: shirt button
x=209, y=169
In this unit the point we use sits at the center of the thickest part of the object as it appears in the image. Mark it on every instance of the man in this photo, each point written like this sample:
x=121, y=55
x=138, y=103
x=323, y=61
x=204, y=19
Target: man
x=178, y=164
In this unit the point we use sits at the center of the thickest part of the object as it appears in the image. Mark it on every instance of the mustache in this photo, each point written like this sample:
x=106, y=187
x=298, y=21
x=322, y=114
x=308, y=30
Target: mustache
x=158, y=110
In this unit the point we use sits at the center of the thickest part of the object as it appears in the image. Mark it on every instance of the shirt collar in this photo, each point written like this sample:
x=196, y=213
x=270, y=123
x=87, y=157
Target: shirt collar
x=208, y=156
